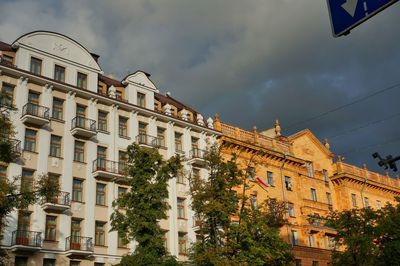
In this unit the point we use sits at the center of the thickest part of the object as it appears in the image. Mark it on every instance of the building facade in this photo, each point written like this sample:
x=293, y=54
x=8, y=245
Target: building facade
x=300, y=171
x=74, y=124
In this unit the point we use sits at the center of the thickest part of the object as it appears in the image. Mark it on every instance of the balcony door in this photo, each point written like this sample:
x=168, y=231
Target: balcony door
x=33, y=108
x=24, y=221
x=75, y=234
x=101, y=158
x=80, y=115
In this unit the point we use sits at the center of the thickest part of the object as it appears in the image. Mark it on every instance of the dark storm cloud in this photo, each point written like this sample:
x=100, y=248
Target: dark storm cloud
x=251, y=61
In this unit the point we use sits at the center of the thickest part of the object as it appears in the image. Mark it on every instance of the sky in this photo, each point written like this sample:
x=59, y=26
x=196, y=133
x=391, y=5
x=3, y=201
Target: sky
x=251, y=61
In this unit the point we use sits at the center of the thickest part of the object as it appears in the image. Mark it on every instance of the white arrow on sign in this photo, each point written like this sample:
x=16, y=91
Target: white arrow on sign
x=350, y=6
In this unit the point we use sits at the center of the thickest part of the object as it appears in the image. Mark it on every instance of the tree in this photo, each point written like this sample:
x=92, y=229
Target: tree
x=138, y=211
x=366, y=236
x=233, y=231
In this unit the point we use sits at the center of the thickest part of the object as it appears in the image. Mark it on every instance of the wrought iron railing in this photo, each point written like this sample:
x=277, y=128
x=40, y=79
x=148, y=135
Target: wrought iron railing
x=83, y=122
x=10, y=149
x=101, y=164
x=62, y=198
x=27, y=238
x=150, y=140
x=36, y=110
x=82, y=243
x=197, y=153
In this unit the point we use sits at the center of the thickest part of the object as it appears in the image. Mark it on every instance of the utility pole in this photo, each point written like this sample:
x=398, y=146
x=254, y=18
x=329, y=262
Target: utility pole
x=389, y=161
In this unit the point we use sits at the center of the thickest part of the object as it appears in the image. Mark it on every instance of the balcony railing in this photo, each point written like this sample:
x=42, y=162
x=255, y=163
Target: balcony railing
x=101, y=164
x=36, y=110
x=197, y=153
x=84, y=123
x=27, y=238
x=81, y=243
x=62, y=198
x=10, y=149
x=150, y=140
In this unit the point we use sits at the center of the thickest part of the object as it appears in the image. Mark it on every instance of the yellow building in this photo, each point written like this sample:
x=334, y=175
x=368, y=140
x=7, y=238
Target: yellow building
x=301, y=171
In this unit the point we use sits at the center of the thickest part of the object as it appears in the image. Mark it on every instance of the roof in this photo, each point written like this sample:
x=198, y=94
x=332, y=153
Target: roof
x=5, y=47
x=168, y=99
x=110, y=82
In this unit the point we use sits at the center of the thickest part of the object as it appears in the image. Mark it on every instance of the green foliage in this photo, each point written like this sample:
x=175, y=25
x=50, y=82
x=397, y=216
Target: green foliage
x=138, y=211
x=367, y=236
x=232, y=232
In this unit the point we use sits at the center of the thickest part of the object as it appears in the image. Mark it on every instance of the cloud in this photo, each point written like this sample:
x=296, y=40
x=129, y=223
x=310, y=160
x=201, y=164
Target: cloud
x=251, y=61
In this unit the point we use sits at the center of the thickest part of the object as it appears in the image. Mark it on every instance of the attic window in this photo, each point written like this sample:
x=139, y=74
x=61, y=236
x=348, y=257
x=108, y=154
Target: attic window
x=141, y=99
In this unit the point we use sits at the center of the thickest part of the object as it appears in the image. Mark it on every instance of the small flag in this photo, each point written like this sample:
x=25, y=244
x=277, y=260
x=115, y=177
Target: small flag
x=259, y=180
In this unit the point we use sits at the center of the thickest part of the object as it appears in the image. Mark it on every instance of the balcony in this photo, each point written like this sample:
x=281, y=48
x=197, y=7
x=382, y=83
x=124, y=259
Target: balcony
x=83, y=127
x=109, y=170
x=197, y=156
x=316, y=205
x=78, y=246
x=150, y=141
x=23, y=240
x=59, y=203
x=35, y=114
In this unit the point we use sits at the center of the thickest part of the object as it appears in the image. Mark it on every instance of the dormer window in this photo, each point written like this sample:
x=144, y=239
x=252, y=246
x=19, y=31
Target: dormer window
x=81, y=81
x=141, y=99
x=36, y=66
x=59, y=73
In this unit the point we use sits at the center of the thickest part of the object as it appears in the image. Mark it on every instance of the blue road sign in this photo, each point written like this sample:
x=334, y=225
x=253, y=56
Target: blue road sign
x=347, y=14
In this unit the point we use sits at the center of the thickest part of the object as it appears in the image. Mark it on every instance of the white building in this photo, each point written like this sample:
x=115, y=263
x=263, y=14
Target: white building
x=75, y=124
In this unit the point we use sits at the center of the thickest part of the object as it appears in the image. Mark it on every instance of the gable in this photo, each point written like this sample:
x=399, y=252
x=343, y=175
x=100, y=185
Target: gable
x=141, y=78
x=58, y=45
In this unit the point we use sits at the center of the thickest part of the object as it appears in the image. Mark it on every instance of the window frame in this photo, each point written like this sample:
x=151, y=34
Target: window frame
x=100, y=233
x=55, y=146
x=141, y=99
x=180, y=205
x=270, y=178
x=102, y=121
x=57, y=75
x=30, y=141
x=122, y=127
x=77, y=192
x=57, y=109
x=51, y=228
x=79, y=152
x=314, y=196
x=82, y=83
x=101, y=194
x=34, y=66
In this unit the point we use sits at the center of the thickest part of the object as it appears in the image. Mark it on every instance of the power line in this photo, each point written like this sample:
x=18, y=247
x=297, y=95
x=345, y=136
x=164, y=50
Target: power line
x=371, y=146
x=345, y=105
x=368, y=124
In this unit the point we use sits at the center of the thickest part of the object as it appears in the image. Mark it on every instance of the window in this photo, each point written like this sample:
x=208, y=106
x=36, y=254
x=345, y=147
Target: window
x=27, y=180
x=100, y=194
x=326, y=177
x=76, y=231
x=331, y=242
x=7, y=96
x=288, y=183
x=81, y=81
x=182, y=243
x=102, y=121
x=99, y=264
x=55, y=146
x=178, y=142
x=123, y=126
x=77, y=189
x=30, y=140
x=270, y=179
x=24, y=221
x=328, y=198
x=99, y=238
x=101, y=153
x=141, y=99
x=59, y=73
x=251, y=172
x=79, y=152
x=366, y=201
x=297, y=262
x=122, y=162
x=74, y=263
x=118, y=95
x=57, y=108
x=51, y=227
x=36, y=66
x=181, y=208
x=196, y=172
x=160, y=137
x=121, y=191
x=315, y=263
x=21, y=261
x=253, y=201
x=311, y=240
x=354, y=200
x=142, y=128
x=313, y=194
x=291, y=209
x=33, y=97
x=122, y=242
x=180, y=177
x=295, y=240
x=378, y=204
x=310, y=169
x=8, y=59
x=80, y=110
x=49, y=262
x=195, y=143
